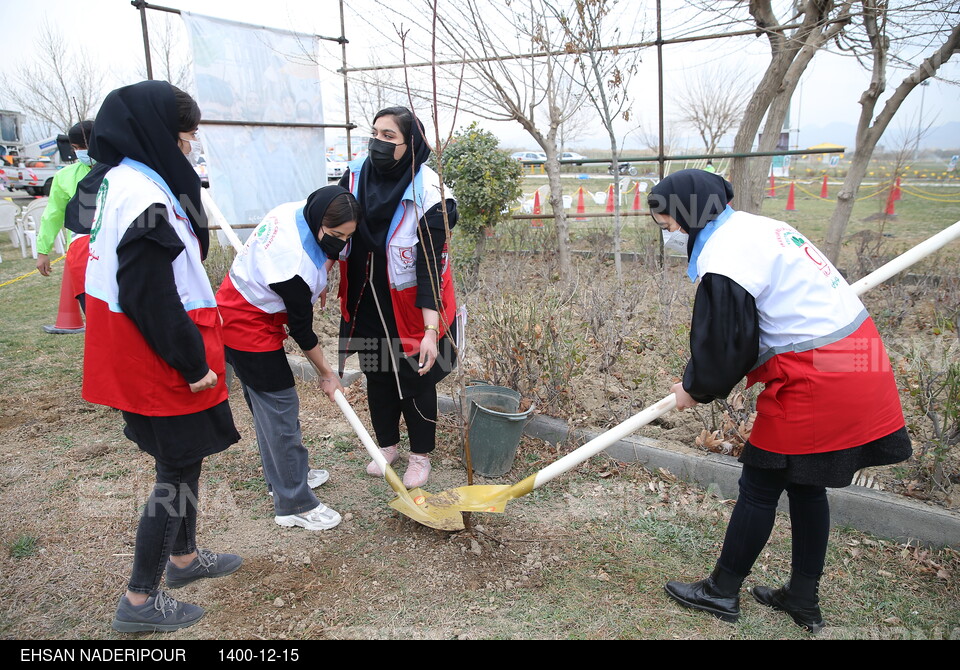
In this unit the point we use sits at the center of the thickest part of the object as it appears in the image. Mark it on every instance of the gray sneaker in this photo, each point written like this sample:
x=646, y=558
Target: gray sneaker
x=161, y=613
x=206, y=564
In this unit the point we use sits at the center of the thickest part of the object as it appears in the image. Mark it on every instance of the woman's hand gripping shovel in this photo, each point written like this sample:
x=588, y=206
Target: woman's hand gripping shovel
x=416, y=503
x=494, y=498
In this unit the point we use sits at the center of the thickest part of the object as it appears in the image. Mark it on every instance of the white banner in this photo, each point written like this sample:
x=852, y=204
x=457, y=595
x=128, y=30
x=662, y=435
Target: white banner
x=249, y=73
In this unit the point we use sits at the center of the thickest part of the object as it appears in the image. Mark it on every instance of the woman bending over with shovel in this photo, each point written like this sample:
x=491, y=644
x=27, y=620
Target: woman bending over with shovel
x=771, y=307
x=274, y=281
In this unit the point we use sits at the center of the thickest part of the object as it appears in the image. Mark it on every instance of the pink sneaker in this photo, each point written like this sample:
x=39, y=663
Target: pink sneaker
x=417, y=472
x=389, y=453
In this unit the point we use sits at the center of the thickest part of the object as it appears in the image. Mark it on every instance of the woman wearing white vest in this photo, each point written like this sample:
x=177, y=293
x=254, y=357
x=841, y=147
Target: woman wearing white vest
x=274, y=281
x=396, y=288
x=771, y=307
x=153, y=343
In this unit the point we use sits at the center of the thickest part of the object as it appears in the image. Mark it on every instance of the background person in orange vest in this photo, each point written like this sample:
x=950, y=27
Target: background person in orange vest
x=396, y=288
x=154, y=348
x=771, y=307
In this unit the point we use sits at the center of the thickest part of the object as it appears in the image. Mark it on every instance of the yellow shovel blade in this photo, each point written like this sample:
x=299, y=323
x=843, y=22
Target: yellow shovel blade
x=481, y=498
x=417, y=504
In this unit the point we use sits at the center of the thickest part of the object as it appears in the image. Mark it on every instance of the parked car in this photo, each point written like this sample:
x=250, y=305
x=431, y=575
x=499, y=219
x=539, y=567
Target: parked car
x=571, y=156
x=335, y=168
x=529, y=156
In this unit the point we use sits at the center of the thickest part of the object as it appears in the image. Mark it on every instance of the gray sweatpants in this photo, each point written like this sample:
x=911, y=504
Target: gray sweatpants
x=276, y=417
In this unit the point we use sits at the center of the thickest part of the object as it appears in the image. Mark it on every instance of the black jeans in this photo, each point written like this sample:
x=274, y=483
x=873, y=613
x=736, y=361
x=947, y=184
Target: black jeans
x=168, y=525
x=754, y=514
x=386, y=407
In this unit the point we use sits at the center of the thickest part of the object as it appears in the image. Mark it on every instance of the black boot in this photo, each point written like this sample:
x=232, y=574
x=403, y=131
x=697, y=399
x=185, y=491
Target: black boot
x=798, y=599
x=718, y=594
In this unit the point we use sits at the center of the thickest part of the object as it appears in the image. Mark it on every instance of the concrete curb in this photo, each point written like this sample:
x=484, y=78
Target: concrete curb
x=877, y=512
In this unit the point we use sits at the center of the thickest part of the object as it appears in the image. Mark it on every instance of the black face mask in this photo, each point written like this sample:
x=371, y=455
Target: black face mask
x=332, y=246
x=381, y=154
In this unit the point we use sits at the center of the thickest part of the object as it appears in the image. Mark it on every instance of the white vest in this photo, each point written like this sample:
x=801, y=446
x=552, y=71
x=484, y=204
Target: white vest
x=275, y=253
x=802, y=300
x=124, y=194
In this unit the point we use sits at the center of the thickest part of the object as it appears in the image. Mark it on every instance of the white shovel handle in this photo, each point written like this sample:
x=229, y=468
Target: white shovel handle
x=219, y=218
x=658, y=409
x=360, y=430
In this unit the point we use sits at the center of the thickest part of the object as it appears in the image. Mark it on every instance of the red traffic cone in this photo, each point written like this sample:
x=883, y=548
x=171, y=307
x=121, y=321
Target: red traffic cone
x=636, y=197
x=581, y=206
x=891, y=199
x=773, y=187
x=896, y=190
x=824, y=193
x=610, y=199
x=791, y=199
x=69, y=320
x=536, y=223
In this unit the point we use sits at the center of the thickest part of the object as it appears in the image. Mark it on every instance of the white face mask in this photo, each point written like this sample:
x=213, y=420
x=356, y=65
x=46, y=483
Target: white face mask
x=83, y=156
x=675, y=241
x=195, y=150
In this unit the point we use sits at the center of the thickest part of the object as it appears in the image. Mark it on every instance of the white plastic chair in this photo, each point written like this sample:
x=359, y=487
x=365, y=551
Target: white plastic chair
x=30, y=222
x=9, y=214
x=624, y=187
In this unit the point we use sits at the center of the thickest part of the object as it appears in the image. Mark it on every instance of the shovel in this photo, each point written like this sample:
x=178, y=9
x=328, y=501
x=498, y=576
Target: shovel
x=482, y=498
x=416, y=503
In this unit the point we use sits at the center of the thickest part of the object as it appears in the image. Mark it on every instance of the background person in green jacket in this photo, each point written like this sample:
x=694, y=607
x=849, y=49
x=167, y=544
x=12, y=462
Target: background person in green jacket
x=63, y=187
x=61, y=191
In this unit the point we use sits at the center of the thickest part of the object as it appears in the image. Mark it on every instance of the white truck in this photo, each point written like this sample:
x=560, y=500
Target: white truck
x=29, y=167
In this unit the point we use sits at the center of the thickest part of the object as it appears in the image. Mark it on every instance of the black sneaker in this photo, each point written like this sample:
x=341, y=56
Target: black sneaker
x=206, y=564
x=160, y=613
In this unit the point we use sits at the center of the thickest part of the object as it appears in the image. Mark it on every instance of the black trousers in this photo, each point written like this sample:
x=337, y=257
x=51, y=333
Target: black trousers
x=386, y=407
x=754, y=514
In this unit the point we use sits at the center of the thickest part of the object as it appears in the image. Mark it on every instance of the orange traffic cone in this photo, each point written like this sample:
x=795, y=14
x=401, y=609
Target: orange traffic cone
x=824, y=193
x=610, y=199
x=581, y=206
x=896, y=190
x=773, y=187
x=791, y=199
x=891, y=199
x=536, y=223
x=69, y=320
x=636, y=198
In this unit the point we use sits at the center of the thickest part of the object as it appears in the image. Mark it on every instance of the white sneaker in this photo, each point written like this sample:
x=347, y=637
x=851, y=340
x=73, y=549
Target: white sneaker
x=320, y=517
x=314, y=479
x=389, y=453
x=417, y=472
x=317, y=477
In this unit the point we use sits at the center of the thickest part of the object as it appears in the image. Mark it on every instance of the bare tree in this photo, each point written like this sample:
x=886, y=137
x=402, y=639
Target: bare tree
x=879, y=22
x=604, y=76
x=490, y=79
x=712, y=104
x=793, y=44
x=169, y=53
x=58, y=85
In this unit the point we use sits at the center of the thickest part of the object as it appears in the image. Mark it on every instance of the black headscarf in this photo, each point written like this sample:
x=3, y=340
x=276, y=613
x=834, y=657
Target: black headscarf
x=381, y=192
x=141, y=122
x=693, y=198
x=317, y=204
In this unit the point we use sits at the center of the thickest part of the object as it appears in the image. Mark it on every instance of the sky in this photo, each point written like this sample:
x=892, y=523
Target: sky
x=110, y=32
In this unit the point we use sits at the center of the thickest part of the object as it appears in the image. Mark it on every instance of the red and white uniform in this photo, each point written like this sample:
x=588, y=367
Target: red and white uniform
x=828, y=381
x=120, y=368
x=421, y=195
x=253, y=314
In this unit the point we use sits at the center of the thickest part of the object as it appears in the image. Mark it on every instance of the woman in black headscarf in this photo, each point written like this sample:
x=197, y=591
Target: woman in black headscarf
x=274, y=281
x=153, y=344
x=396, y=291
x=771, y=307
